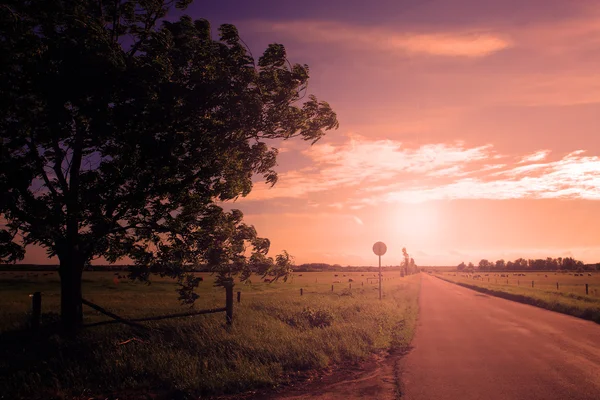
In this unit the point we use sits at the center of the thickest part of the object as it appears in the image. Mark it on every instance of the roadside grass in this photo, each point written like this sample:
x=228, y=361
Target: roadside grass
x=569, y=299
x=276, y=336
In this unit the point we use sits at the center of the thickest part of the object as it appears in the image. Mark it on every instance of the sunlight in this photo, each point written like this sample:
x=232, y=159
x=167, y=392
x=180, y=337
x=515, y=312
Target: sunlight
x=417, y=220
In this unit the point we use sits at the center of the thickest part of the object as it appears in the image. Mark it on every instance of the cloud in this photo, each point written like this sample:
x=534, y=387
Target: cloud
x=471, y=44
x=537, y=156
x=573, y=177
x=365, y=163
x=369, y=172
x=358, y=220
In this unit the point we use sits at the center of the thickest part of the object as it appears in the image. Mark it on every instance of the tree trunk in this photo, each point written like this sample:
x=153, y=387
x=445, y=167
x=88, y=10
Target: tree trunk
x=71, y=312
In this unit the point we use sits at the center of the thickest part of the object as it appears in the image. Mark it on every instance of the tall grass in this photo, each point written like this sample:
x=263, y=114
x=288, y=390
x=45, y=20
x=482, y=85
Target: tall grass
x=276, y=335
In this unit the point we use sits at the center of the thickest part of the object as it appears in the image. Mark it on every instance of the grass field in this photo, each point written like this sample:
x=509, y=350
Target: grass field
x=570, y=297
x=276, y=335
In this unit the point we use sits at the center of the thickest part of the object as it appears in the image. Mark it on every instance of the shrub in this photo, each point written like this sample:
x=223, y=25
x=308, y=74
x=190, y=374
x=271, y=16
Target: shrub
x=317, y=318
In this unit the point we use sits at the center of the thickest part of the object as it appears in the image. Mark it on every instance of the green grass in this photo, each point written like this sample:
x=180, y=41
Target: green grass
x=277, y=334
x=570, y=297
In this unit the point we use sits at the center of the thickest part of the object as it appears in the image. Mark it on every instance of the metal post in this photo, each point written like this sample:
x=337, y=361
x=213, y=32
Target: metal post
x=379, y=277
x=301, y=292
x=586, y=288
x=239, y=296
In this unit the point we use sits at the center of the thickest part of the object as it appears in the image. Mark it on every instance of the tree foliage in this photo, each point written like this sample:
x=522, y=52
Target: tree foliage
x=521, y=264
x=121, y=132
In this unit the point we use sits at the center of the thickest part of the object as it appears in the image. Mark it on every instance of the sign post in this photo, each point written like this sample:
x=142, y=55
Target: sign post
x=379, y=249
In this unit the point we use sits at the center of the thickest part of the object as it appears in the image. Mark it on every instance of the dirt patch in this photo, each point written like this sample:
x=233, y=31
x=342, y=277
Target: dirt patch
x=375, y=378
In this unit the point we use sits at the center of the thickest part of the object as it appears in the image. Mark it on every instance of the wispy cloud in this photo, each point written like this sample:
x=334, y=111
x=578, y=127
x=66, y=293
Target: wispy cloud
x=454, y=44
x=537, y=156
x=385, y=171
x=362, y=162
x=358, y=220
x=573, y=177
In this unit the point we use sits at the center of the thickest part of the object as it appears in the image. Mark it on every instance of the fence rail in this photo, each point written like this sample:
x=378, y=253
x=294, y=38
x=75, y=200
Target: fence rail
x=133, y=322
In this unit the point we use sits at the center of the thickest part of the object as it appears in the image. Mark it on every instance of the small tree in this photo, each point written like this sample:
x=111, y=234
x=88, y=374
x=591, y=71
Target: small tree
x=406, y=261
x=120, y=134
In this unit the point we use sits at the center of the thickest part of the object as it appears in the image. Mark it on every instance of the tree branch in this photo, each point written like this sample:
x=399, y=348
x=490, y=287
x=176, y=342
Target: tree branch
x=114, y=34
x=149, y=24
x=42, y=171
x=58, y=158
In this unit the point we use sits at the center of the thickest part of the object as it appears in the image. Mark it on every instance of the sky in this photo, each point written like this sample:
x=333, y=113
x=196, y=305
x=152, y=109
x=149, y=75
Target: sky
x=469, y=129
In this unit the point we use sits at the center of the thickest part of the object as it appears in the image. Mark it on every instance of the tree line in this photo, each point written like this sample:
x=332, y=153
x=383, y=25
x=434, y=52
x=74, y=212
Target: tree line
x=522, y=264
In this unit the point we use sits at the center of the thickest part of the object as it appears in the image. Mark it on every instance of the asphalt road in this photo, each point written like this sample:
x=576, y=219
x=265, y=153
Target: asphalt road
x=472, y=346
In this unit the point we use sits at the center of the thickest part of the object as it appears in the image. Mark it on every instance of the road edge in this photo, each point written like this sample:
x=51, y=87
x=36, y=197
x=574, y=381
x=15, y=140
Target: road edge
x=519, y=298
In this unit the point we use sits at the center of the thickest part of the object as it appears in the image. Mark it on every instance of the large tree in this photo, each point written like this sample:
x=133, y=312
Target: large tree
x=121, y=133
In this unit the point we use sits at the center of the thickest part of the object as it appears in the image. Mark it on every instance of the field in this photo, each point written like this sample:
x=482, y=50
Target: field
x=570, y=297
x=277, y=335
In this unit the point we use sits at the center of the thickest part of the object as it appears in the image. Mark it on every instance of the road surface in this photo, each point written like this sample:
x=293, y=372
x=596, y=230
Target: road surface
x=472, y=346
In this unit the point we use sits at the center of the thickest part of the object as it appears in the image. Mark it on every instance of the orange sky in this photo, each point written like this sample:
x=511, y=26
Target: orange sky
x=468, y=129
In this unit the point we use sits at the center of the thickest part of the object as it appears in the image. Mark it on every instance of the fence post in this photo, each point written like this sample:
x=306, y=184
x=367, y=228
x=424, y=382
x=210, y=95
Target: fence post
x=362, y=284
x=556, y=285
x=586, y=288
x=518, y=283
x=301, y=292
x=531, y=283
x=332, y=288
x=36, y=309
x=239, y=296
x=229, y=302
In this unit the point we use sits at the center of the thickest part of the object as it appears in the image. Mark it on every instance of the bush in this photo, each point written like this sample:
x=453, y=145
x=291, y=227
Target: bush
x=317, y=318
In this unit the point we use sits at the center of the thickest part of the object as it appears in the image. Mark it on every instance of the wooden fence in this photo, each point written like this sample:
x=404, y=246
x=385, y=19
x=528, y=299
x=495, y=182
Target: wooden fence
x=134, y=322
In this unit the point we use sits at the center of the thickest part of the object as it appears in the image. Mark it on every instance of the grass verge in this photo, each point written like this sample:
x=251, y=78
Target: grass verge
x=277, y=335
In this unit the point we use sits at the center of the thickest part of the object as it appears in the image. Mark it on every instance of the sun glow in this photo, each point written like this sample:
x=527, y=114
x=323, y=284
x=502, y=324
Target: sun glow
x=418, y=221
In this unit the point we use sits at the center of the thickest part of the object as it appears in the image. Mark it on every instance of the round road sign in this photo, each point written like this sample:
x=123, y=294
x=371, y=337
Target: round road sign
x=379, y=248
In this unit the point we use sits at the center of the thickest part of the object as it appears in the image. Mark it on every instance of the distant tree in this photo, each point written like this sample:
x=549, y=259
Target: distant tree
x=569, y=263
x=461, y=266
x=484, y=265
x=471, y=266
x=500, y=264
x=119, y=134
x=521, y=263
